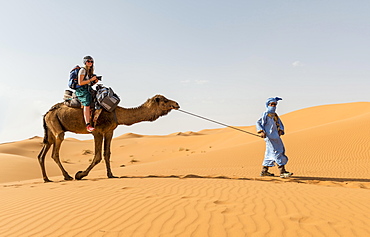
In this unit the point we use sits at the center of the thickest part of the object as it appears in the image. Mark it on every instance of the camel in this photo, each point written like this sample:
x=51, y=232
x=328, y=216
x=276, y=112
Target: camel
x=61, y=118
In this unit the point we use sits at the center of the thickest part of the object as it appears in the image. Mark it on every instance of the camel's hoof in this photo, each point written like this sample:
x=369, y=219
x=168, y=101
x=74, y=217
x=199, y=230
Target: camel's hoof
x=112, y=177
x=79, y=175
x=68, y=178
x=47, y=181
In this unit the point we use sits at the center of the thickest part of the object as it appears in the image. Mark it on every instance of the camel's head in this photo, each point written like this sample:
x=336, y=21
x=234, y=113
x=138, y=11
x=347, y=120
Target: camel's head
x=163, y=104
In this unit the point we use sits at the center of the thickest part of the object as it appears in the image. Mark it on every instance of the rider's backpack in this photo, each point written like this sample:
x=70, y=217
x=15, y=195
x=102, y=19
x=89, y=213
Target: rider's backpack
x=73, y=78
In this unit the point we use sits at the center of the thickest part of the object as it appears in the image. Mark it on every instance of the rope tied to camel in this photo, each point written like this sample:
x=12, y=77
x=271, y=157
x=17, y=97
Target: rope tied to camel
x=240, y=130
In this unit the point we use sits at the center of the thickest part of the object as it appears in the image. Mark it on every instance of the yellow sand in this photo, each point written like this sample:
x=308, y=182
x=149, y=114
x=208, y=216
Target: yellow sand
x=203, y=183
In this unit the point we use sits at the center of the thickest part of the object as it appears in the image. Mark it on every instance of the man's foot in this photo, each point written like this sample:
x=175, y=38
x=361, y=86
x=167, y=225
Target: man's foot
x=266, y=173
x=286, y=174
x=89, y=128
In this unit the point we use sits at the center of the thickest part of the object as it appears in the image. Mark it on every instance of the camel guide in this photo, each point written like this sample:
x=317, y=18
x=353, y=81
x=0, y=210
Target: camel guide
x=270, y=127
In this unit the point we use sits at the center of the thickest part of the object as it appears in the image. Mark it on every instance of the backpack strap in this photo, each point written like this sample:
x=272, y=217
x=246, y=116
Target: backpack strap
x=78, y=67
x=85, y=73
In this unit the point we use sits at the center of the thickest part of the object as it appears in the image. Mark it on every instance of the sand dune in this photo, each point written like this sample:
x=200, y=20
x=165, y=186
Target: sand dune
x=182, y=207
x=202, y=183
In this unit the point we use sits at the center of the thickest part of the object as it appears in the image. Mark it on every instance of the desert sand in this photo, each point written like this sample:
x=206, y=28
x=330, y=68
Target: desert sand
x=199, y=183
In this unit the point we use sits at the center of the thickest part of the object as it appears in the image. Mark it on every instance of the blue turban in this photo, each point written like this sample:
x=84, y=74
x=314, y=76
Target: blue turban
x=269, y=100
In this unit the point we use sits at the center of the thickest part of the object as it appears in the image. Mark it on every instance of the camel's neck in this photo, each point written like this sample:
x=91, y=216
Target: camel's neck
x=136, y=115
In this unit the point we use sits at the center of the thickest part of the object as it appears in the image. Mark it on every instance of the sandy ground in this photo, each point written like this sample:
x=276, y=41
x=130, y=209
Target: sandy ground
x=203, y=183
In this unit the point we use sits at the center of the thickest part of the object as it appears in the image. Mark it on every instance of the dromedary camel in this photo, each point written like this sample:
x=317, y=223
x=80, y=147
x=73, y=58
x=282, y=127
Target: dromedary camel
x=61, y=118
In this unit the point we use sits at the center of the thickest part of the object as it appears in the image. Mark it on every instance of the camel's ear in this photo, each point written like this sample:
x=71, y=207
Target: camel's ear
x=157, y=99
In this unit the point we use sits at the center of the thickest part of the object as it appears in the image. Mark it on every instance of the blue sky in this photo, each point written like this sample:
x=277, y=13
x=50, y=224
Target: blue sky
x=219, y=59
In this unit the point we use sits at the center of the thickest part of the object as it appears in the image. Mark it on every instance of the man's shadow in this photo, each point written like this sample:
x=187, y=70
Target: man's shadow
x=308, y=178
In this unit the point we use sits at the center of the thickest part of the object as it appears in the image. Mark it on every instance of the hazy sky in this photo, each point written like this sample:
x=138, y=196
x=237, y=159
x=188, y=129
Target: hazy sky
x=219, y=59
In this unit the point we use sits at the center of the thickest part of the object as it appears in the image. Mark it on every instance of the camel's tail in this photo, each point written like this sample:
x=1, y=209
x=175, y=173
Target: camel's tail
x=46, y=137
x=45, y=141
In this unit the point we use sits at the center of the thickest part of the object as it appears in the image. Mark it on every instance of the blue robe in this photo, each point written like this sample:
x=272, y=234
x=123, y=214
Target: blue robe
x=275, y=151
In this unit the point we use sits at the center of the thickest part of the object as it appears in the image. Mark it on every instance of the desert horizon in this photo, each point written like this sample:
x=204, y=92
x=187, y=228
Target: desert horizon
x=198, y=183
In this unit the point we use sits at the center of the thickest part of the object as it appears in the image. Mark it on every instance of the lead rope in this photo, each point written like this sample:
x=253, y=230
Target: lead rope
x=241, y=130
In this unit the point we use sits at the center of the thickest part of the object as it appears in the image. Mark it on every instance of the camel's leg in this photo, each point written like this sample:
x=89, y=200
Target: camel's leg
x=107, y=144
x=41, y=158
x=98, y=139
x=57, y=143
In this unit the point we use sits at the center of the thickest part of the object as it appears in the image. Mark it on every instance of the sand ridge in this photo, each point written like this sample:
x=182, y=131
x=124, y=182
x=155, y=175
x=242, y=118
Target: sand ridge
x=182, y=207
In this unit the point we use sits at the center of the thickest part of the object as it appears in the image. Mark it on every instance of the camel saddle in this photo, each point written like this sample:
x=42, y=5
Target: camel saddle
x=103, y=97
x=71, y=100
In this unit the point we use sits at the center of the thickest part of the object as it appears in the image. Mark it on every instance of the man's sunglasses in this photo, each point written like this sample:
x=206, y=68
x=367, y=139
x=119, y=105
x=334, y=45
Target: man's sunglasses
x=90, y=61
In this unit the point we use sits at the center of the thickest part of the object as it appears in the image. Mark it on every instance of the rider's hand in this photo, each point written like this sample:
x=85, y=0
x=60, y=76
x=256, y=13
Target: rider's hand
x=263, y=134
x=94, y=80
